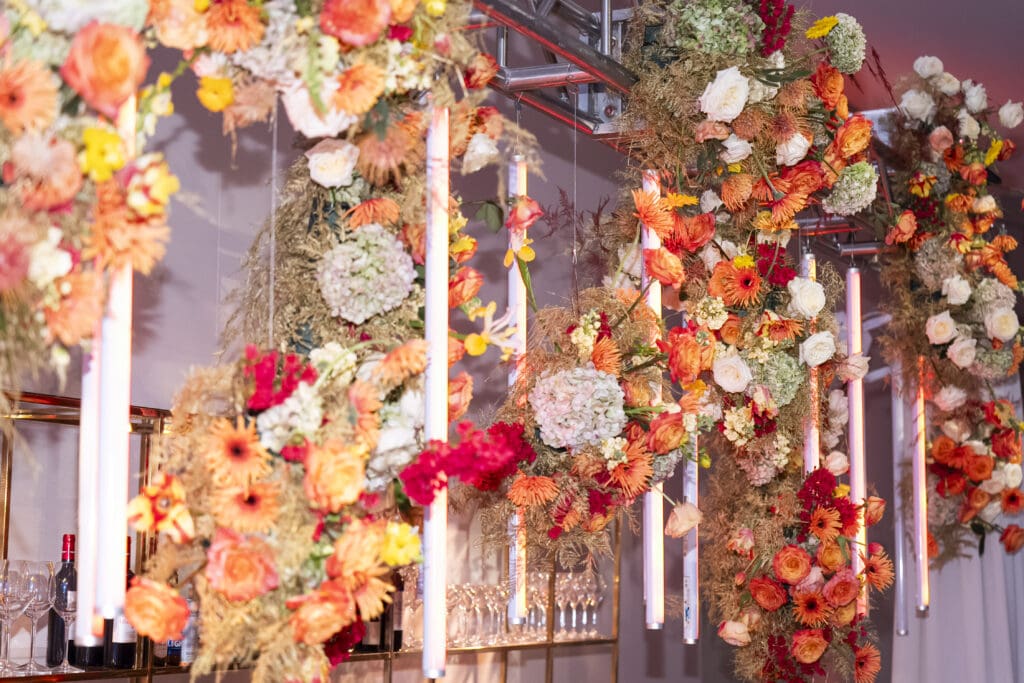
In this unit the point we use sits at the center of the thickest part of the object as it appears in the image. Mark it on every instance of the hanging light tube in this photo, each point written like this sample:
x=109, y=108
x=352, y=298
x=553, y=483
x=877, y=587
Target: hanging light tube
x=855, y=403
x=691, y=546
x=812, y=423
x=898, y=408
x=920, y=481
x=88, y=631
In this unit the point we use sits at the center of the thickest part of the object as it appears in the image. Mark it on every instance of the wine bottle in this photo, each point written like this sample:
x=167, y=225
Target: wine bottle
x=56, y=638
x=397, y=607
x=119, y=638
x=190, y=639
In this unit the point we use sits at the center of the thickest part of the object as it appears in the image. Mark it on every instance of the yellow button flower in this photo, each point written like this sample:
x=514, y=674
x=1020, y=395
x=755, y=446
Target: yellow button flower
x=743, y=261
x=103, y=154
x=476, y=344
x=401, y=545
x=822, y=27
x=215, y=93
x=435, y=8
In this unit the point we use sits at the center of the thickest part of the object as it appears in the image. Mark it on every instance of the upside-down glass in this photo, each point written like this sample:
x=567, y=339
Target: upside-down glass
x=12, y=604
x=37, y=577
x=64, y=599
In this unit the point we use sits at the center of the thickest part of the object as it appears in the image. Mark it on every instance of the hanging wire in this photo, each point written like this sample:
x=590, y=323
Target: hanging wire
x=575, y=238
x=273, y=229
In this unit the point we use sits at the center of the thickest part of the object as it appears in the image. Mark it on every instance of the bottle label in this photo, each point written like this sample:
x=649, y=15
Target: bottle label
x=123, y=631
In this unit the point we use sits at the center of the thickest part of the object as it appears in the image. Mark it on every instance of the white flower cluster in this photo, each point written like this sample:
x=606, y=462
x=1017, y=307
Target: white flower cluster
x=664, y=466
x=399, y=440
x=846, y=44
x=738, y=424
x=854, y=190
x=710, y=313
x=368, y=274
x=935, y=262
x=404, y=71
x=282, y=52
x=334, y=364
x=577, y=407
x=301, y=414
x=71, y=16
x=613, y=451
x=837, y=418
x=584, y=335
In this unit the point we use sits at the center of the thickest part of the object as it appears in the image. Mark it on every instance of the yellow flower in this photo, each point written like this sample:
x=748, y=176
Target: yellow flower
x=696, y=387
x=215, y=93
x=735, y=168
x=483, y=311
x=464, y=243
x=476, y=344
x=822, y=27
x=303, y=25
x=743, y=261
x=993, y=152
x=151, y=188
x=456, y=222
x=401, y=545
x=841, y=491
x=435, y=8
x=103, y=154
x=201, y=5
x=679, y=200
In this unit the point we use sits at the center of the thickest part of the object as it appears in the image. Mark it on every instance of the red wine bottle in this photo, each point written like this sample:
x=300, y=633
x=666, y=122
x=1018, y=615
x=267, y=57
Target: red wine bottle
x=56, y=639
x=396, y=607
x=119, y=638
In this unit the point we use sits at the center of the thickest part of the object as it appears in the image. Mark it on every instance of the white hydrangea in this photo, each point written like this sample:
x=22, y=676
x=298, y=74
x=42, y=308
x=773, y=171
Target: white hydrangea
x=853, y=191
x=333, y=363
x=71, y=16
x=367, y=274
x=282, y=53
x=710, y=312
x=47, y=261
x=846, y=44
x=399, y=440
x=301, y=414
x=404, y=72
x=578, y=407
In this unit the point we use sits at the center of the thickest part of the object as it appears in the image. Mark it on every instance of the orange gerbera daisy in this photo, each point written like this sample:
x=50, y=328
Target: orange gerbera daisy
x=867, y=663
x=233, y=26
x=381, y=159
x=80, y=307
x=527, y=491
x=359, y=87
x=633, y=476
x=825, y=523
x=787, y=206
x=773, y=326
x=654, y=213
x=1011, y=501
x=378, y=210
x=606, y=356
x=736, y=286
x=251, y=509
x=811, y=608
x=234, y=453
x=28, y=96
x=878, y=570
x=401, y=363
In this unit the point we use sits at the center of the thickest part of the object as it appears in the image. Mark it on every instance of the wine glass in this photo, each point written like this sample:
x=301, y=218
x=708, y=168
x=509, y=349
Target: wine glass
x=12, y=604
x=37, y=578
x=65, y=601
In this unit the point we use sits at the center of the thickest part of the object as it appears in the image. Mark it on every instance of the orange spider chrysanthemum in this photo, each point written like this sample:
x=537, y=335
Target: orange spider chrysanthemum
x=527, y=491
x=736, y=286
x=653, y=212
x=381, y=160
x=811, y=608
x=378, y=210
x=867, y=663
x=251, y=509
x=28, y=96
x=825, y=523
x=633, y=477
x=878, y=570
x=606, y=357
x=359, y=87
x=80, y=307
x=736, y=190
x=118, y=238
x=234, y=453
x=373, y=594
x=401, y=363
x=233, y=26
x=773, y=326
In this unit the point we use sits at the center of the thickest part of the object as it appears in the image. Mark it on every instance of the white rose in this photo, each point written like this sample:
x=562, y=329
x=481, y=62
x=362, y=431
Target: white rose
x=926, y=67
x=724, y=98
x=1013, y=474
x=962, y=352
x=817, y=349
x=807, y=297
x=331, y=162
x=969, y=126
x=986, y=204
x=837, y=463
x=1011, y=114
x=47, y=261
x=709, y=201
x=956, y=289
x=978, y=447
x=940, y=328
x=975, y=96
x=735, y=633
x=481, y=151
x=946, y=83
x=838, y=407
x=854, y=367
x=958, y=430
x=731, y=373
x=994, y=484
x=307, y=120
x=710, y=256
x=949, y=398
x=792, y=151
x=1002, y=324
x=736, y=149
x=918, y=105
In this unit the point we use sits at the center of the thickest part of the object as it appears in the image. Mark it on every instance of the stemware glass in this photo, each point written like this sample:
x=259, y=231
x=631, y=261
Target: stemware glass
x=64, y=599
x=561, y=603
x=12, y=604
x=37, y=577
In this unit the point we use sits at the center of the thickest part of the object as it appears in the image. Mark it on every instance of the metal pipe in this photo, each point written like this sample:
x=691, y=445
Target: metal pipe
x=578, y=16
x=501, y=48
x=549, y=106
x=862, y=248
x=543, y=76
x=544, y=7
x=606, y=27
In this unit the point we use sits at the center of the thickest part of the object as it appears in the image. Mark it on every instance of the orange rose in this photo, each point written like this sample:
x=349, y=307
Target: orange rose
x=460, y=393
x=906, y=226
x=1006, y=444
x=841, y=616
x=942, y=449
x=105, y=66
x=687, y=355
x=463, y=286
x=334, y=475
x=767, y=593
x=456, y=350
x=979, y=467
x=155, y=610
x=1012, y=538
x=414, y=236
x=322, y=613
x=828, y=84
x=729, y=333
x=974, y=173
x=809, y=645
x=978, y=498
x=874, y=510
x=843, y=107
x=792, y=564
x=842, y=588
x=853, y=137
x=664, y=266
x=523, y=213
x=666, y=433
x=240, y=568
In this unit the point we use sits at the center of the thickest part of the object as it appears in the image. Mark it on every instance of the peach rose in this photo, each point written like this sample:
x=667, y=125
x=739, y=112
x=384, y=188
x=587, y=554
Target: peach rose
x=828, y=85
x=178, y=25
x=940, y=139
x=853, y=137
x=322, y=613
x=841, y=616
x=666, y=433
x=105, y=66
x=874, y=510
x=460, y=393
x=155, y=610
x=334, y=475
x=734, y=633
x=809, y=645
x=1012, y=538
x=664, y=266
x=906, y=226
x=240, y=568
x=730, y=331
x=684, y=517
x=792, y=564
x=523, y=213
x=767, y=593
x=463, y=286
x=842, y=588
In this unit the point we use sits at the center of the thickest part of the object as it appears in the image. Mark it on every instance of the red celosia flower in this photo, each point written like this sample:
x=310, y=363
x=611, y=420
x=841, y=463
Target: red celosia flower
x=274, y=381
x=338, y=647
